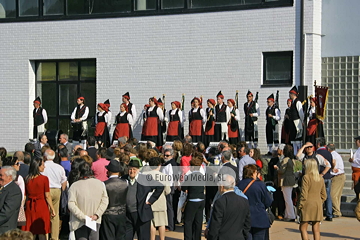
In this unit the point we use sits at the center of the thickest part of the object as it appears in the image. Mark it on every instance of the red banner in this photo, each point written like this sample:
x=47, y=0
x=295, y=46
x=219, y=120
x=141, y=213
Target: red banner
x=321, y=94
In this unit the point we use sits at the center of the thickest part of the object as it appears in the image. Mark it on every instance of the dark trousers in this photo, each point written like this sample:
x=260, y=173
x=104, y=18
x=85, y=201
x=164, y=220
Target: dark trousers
x=218, y=134
x=258, y=234
x=209, y=198
x=193, y=217
x=134, y=224
x=175, y=202
x=170, y=212
x=113, y=227
x=85, y=233
x=278, y=203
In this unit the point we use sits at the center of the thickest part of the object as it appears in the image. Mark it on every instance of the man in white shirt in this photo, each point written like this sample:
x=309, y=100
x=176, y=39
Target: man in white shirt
x=355, y=166
x=337, y=181
x=58, y=181
x=40, y=118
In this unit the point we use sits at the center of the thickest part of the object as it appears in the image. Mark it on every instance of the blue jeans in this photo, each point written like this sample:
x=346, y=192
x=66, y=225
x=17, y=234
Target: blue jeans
x=328, y=202
x=258, y=234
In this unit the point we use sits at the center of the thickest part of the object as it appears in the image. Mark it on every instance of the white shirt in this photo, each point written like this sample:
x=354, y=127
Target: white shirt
x=172, y=112
x=159, y=112
x=133, y=111
x=107, y=118
x=84, y=116
x=129, y=118
x=322, y=161
x=237, y=113
x=21, y=183
x=55, y=173
x=277, y=115
x=339, y=163
x=356, y=162
x=202, y=113
x=311, y=112
x=300, y=110
x=44, y=114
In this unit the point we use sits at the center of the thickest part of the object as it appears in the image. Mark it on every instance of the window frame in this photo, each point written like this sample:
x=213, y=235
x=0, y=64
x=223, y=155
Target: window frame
x=135, y=13
x=58, y=117
x=283, y=83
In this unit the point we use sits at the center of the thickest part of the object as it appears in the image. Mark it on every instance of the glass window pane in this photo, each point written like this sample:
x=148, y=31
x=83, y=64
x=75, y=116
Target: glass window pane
x=88, y=90
x=88, y=70
x=217, y=3
x=168, y=4
x=68, y=71
x=53, y=7
x=51, y=124
x=112, y=6
x=278, y=68
x=47, y=93
x=67, y=98
x=64, y=125
x=46, y=71
x=7, y=9
x=75, y=7
x=141, y=5
x=28, y=8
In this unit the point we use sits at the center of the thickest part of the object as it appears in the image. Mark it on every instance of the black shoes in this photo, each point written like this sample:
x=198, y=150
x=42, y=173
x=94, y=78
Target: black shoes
x=336, y=216
x=328, y=219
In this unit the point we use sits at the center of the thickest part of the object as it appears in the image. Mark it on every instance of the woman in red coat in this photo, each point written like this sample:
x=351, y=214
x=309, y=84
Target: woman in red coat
x=124, y=123
x=152, y=128
x=210, y=122
x=38, y=202
x=197, y=118
x=176, y=121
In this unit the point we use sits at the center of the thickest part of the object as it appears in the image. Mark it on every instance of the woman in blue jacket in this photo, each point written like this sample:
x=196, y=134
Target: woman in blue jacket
x=259, y=200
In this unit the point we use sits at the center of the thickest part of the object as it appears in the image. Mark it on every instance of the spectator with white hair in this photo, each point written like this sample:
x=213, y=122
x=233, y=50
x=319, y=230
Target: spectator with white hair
x=226, y=222
x=64, y=140
x=58, y=181
x=10, y=199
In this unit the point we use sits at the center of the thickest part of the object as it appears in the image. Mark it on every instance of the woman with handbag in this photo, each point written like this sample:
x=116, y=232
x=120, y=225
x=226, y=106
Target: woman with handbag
x=259, y=200
x=286, y=177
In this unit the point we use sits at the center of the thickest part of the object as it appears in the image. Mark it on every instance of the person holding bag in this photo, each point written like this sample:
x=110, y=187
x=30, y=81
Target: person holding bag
x=259, y=200
x=287, y=181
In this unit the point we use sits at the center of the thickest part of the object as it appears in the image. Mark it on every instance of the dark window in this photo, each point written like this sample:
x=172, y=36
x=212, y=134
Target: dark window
x=53, y=7
x=222, y=3
x=141, y=5
x=7, y=9
x=70, y=9
x=58, y=84
x=28, y=8
x=278, y=68
x=169, y=4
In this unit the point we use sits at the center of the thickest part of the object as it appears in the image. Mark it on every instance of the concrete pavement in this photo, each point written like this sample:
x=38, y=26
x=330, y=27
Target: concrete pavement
x=344, y=228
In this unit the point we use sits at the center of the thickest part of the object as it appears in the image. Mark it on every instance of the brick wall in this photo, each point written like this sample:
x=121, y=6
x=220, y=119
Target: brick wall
x=195, y=54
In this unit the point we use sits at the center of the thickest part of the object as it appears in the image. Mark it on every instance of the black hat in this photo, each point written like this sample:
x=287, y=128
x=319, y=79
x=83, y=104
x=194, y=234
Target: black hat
x=249, y=93
x=114, y=166
x=159, y=101
x=271, y=97
x=357, y=138
x=220, y=95
x=107, y=102
x=37, y=100
x=294, y=90
x=134, y=163
x=110, y=154
x=127, y=95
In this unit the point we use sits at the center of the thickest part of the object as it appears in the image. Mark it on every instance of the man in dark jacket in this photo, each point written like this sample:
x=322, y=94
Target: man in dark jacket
x=138, y=202
x=10, y=199
x=113, y=221
x=226, y=223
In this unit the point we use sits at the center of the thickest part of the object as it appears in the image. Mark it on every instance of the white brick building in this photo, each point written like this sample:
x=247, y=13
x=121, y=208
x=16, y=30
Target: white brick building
x=196, y=54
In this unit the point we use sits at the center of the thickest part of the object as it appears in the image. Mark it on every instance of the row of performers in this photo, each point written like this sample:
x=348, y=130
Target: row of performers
x=221, y=121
